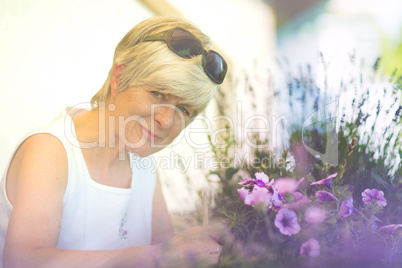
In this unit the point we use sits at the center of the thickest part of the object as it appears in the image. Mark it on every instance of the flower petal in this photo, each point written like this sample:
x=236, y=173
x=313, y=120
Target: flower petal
x=346, y=208
x=286, y=185
x=374, y=195
x=262, y=179
x=315, y=214
x=259, y=196
x=243, y=192
x=286, y=222
x=310, y=248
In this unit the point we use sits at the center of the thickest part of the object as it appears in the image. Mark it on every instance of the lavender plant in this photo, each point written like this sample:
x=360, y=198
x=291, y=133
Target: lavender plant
x=304, y=212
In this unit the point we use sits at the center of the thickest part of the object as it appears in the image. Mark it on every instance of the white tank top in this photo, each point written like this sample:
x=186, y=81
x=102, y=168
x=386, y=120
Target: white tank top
x=95, y=216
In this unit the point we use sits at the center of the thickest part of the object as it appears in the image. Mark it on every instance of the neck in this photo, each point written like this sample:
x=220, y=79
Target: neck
x=95, y=131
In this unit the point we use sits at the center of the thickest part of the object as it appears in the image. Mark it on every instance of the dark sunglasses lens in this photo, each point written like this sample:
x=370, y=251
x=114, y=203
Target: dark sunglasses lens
x=215, y=66
x=185, y=44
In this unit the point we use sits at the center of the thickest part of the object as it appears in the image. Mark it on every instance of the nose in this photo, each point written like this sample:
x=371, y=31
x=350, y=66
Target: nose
x=164, y=115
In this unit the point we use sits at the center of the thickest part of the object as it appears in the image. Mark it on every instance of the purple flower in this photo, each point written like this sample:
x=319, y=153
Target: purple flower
x=375, y=196
x=299, y=201
x=287, y=185
x=243, y=192
x=277, y=199
x=315, y=214
x=326, y=181
x=324, y=196
x=310, y=248
x=247, y=181
x=261, y=196
x=261, y=179
x=286, y=222
x=346, y=208
x=390, y=229
x=257, y=197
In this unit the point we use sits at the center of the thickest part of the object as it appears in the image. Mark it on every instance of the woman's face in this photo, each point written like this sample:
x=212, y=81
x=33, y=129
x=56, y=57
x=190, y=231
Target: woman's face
x=147, y=120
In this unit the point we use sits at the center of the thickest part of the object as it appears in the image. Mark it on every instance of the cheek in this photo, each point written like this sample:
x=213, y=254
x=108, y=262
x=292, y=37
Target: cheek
x=140, y=110
x=132, y=132
x=179, y=127
x=175, y=131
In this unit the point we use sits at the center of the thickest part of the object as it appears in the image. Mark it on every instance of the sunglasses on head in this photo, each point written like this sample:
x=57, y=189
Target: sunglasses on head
x=186, y=45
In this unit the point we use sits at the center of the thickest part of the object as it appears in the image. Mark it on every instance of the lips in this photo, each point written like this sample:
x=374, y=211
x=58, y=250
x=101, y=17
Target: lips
x=149, y=134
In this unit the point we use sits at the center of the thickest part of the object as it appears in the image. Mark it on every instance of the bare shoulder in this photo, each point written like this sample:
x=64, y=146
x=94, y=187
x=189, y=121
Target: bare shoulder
x=35, y=186
x=41, y=159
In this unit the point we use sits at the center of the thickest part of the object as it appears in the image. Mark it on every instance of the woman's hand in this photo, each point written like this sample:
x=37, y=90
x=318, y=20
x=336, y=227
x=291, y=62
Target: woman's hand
x=196, y=247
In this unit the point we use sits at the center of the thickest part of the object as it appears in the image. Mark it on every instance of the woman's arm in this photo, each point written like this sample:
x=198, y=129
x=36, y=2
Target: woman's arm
x=36, y=183
x=161, y=226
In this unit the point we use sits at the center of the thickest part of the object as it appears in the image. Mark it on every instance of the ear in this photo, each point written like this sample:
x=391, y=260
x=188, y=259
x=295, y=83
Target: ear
x=116, y=73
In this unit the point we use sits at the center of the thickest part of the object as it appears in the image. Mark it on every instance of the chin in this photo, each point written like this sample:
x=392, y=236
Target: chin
x=143, y=152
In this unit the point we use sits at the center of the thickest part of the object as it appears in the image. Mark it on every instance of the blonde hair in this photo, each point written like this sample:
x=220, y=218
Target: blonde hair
x=154, y=64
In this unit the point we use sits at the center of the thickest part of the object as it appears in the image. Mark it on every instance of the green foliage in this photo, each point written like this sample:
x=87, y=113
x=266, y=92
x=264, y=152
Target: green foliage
x=392, y=54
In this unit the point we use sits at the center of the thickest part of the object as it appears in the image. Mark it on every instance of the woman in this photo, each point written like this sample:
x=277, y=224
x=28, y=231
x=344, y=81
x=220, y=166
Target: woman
x=72, y=195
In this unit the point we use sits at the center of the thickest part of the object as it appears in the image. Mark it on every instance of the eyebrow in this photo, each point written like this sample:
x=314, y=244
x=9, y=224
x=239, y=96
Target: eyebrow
x=191, y=108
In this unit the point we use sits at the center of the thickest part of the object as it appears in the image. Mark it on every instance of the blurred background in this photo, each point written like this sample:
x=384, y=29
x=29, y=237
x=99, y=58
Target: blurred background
x=57, y=53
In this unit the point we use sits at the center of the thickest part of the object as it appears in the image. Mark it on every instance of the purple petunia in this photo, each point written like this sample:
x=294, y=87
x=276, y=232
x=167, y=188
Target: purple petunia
x=247, y=181
x=326, y=181
x=310, y=248
x=243, y=192
x=261, y=180
x=315, y=214
x=287, y=185
x=374, y=196
x=258, y=196
x=277, y=199
x=286, y=222
x=346, y=208
x=324, y=196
